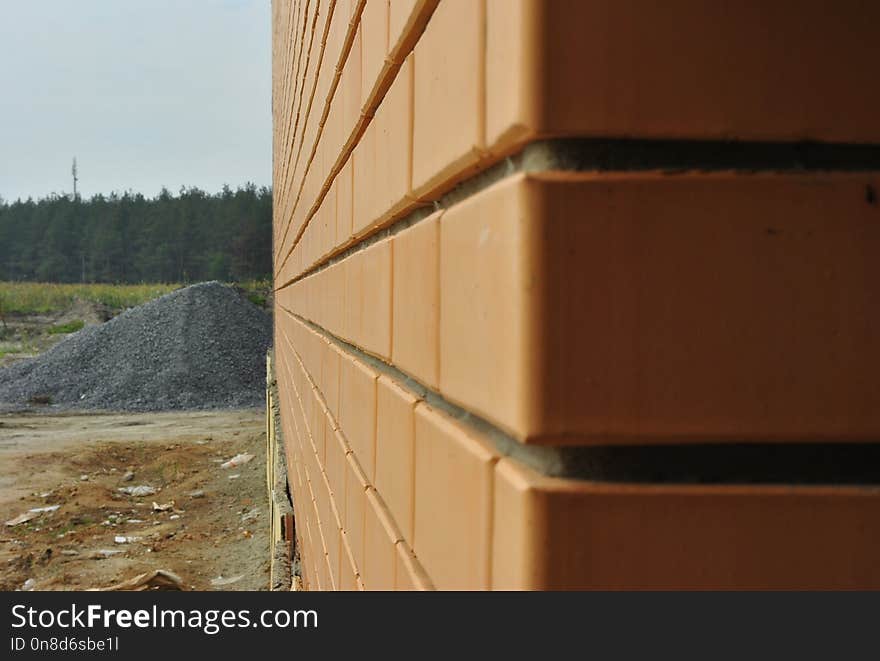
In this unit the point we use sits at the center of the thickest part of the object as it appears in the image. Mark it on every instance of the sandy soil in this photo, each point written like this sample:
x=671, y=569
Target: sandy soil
x=77, y=461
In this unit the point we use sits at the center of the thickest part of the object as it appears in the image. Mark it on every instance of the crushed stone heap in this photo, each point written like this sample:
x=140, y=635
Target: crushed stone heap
x=201, y=347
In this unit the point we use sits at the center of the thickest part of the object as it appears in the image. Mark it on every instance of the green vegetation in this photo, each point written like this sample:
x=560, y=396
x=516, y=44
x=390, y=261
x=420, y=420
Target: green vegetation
x=44, y=298
x=69, y=327
x=129, y=239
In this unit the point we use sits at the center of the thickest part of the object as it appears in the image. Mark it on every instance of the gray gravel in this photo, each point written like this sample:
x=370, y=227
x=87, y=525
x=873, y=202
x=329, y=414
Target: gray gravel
x=201, y=347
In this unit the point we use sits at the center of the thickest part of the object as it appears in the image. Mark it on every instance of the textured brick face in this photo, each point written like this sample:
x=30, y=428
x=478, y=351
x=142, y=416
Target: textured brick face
x=453, y=502
x=399, y=14
x=609, y=68
x=500, y=223
x=415, y=346
x=486, y=293
x=395, y=448
x=380, y=556
x=448, y=119
x=374, y=29
x=661, y=537
x=358, y=411
x=573, y=310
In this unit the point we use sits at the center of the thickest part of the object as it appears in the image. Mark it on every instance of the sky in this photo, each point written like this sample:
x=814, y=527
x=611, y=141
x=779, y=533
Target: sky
x=144, y=93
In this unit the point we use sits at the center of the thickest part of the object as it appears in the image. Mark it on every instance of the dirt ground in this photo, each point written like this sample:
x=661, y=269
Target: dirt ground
x=214, y=536
x=24, y=336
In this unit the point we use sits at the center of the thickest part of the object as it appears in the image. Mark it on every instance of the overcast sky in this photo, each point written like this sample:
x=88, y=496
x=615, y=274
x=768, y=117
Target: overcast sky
x=145, y=94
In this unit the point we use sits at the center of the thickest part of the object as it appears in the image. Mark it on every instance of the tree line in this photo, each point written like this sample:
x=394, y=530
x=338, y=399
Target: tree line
x=129, y=238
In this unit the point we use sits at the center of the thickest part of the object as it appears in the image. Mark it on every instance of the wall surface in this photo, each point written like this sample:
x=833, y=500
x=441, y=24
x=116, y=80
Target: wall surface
x=579, y=293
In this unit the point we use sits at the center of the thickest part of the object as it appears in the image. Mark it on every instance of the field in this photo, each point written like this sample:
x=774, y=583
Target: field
x=46, y=297
x=22, y=298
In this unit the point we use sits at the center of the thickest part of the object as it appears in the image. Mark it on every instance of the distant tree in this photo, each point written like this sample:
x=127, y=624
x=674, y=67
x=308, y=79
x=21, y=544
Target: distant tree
x=129, y=238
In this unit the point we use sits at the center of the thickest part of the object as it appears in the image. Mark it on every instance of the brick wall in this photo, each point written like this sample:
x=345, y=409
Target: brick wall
x=578, y=293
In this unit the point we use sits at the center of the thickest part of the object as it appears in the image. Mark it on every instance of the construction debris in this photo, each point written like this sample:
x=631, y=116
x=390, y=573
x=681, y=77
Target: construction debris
x=159, y=579
x=127, y=539
x=31, y=514
x=139, y=491
x=237, y=460
x=220, y=581
x=253, y=515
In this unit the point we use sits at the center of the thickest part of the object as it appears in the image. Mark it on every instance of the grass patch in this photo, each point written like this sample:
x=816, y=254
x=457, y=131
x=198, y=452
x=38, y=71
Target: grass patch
x=69, y=327
x=256, y=291
x=49, y=297
x=46, y=297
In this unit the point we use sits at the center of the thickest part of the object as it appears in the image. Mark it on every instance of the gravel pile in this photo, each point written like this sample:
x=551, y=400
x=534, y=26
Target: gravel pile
x=201, y=347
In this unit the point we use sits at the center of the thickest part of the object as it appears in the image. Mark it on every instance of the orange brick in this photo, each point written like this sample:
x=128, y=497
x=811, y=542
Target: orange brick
x=336, y=37
x=374, y=334
x=562, y=534
x=330, y=574
x=330, y=378
x=357, y=417
x=334, y=137
x=395, y=432
x=344, y=203
x=453, y=502
x=318, y=558
x=347, y=569
x=400, y=14
x=318, y=426
x=355, y=504
x=319, y=574
x=350, y=86
x=352, y=267
x=374, y=32
x=380, y=537
x=307, y=401
x=347, y=8
x=392, y=127
x=487, y=299
x=333, y=540
x=416, y=300
x=618, y=331
x=307, y=577
x=365, y=162
x=328, y=225
x=448, y=126
x=333, y=313
x=329, y=528
x=408, y=573
x=335, y=468
x=606, y=68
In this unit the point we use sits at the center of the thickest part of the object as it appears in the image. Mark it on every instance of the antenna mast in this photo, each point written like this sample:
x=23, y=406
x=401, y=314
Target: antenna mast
x=73, y=171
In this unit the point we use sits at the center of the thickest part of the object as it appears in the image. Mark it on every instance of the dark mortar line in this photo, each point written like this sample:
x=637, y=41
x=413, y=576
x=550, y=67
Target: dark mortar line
x=671, y=157
x=796, y=464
